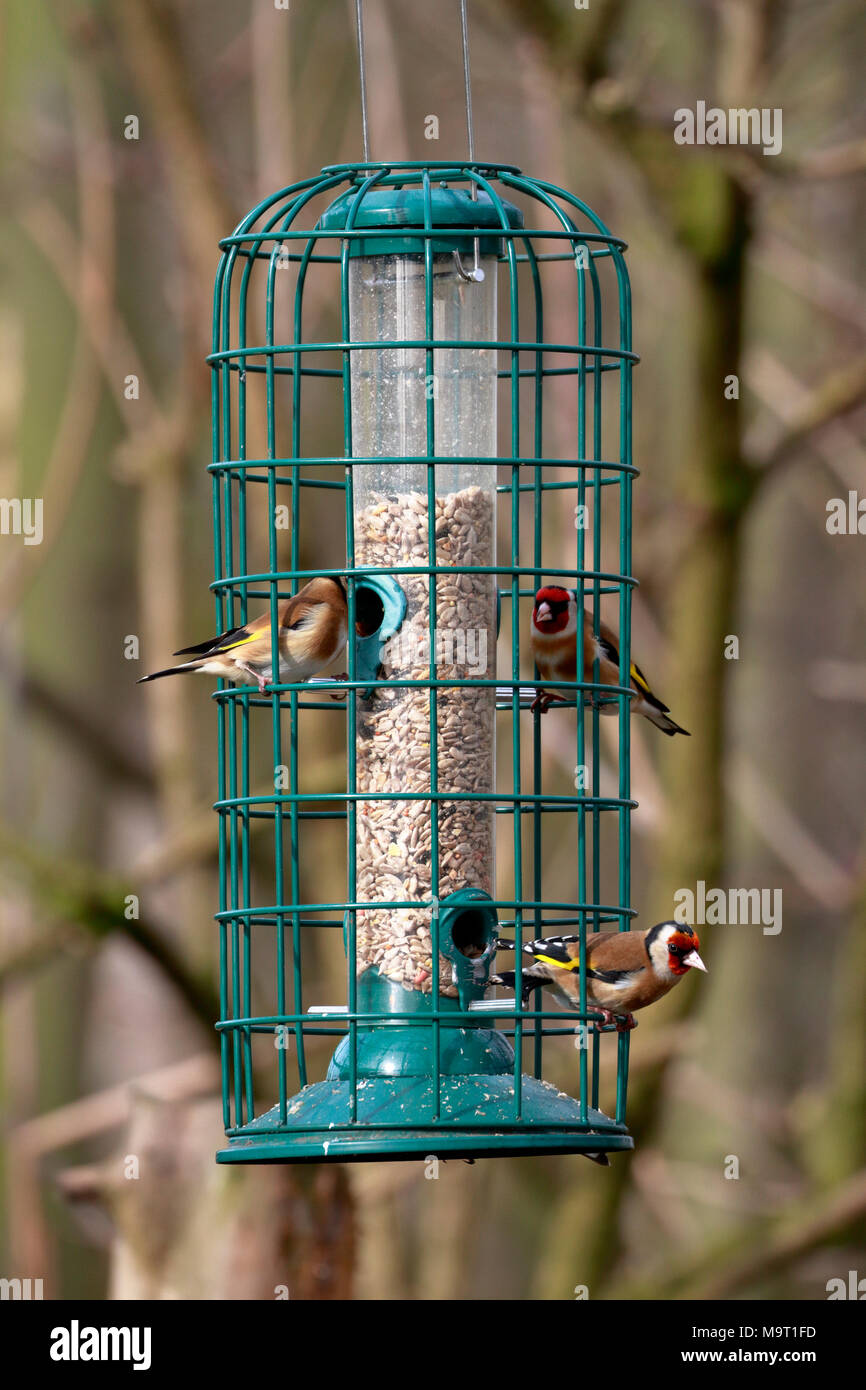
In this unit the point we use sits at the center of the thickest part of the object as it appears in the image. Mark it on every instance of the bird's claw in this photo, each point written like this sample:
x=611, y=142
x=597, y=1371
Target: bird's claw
x=340, y=694
x=622, y=1022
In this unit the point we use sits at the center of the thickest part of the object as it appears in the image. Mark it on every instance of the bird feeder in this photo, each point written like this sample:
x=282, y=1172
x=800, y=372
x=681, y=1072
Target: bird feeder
x=446, y=378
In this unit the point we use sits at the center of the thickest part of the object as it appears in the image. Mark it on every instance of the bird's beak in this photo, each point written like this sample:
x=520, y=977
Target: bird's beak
x=694, y=959
x=542, y=613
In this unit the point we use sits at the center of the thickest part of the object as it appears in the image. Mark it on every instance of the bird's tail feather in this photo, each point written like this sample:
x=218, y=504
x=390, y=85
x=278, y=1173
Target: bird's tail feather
x=169, y=671
x=507, y=979
x=666, y=724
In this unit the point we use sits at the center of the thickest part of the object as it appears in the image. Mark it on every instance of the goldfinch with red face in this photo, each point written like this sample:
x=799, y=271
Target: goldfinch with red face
x=312, y=633
x=554, y=649
x=625, y=971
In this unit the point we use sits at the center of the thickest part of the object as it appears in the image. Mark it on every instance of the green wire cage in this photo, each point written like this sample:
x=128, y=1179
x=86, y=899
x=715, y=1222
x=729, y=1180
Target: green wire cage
x=435, y=283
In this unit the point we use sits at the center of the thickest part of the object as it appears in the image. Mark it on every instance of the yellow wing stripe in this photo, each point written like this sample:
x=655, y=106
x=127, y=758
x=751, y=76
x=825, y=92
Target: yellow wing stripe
x=639, y=680
x=241, y=642
x=560, y=965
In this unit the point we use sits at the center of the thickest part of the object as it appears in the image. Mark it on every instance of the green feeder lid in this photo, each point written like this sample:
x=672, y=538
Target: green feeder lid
x=401, y=208
x=398, y=1118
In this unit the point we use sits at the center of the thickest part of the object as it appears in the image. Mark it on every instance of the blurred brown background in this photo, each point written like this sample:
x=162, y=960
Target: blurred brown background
x=741, y=264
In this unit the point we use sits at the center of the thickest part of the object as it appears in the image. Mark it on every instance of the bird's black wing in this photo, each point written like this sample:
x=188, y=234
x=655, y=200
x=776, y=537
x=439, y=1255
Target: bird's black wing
x=213, y=644
x=643, y=686
x=553, y=949
x=610, y=650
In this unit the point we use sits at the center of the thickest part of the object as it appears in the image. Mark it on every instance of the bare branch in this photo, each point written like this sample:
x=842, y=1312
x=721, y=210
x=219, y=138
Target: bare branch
x=50, y=231
x=103, y=1110
x=733, y=1265
x=92, y=737
x=840, y=161
x=78, y=413
x=155, y=54
x=80, y=895
x=577, y=44
x=807, y=276
x=841, y=391
x=196, y=840
x=782, y=393
x=815, y=870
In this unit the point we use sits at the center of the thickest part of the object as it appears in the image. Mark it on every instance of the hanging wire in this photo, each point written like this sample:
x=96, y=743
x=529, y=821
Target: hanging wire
x=362, y=72
x=476, y=273
x=467, y=83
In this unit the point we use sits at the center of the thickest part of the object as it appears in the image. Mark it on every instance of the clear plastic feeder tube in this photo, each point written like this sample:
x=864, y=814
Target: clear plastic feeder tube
x=391, y=387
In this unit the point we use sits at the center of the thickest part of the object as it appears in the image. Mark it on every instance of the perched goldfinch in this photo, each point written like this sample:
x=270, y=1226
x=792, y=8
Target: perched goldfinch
x=312, y=634
x=625, y=971
x=554, y=648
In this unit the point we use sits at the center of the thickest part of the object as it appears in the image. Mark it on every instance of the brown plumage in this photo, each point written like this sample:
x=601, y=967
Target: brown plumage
x=554, y=648
x=625, y=971
x=312, y=633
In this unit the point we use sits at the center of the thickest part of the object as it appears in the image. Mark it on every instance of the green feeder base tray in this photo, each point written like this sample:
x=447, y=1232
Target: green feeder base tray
x=318, y=1126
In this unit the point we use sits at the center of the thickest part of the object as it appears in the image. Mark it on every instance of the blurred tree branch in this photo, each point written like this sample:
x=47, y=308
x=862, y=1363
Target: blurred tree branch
x=819, y=284
x=103, y=1110
x=834, y=1124
x=112, y=342
x=152, y=44
x=154, y=52
x=80, y=895
x=835, y=441
x=735, y=1265
x=271, y=90
x=190, y=1229
x=79, y=411
x=793, y=844
x=92, y=737
x=38, y=952
x=836, y=162
x=578, y=43
x=172, y=855
x=841, y=391
x=197, y=839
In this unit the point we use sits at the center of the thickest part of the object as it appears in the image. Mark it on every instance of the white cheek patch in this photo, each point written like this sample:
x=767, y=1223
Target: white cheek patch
x=660, y=957
x=662, y=963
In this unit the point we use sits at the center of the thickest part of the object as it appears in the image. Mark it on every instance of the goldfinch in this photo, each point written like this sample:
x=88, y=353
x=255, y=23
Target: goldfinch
x=554, y=648
x=625, y=971
x=312, y=633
